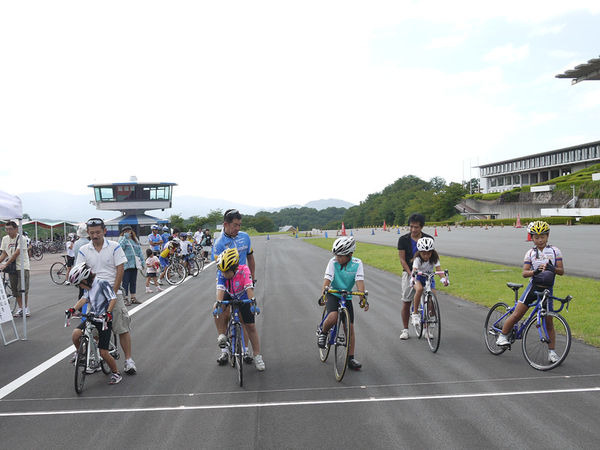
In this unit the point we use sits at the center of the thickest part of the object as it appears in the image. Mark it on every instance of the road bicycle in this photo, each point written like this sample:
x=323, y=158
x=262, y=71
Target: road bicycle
x=87, y=357
x=175, y=272
x=192, y=265
x=235, y=332
x=37, y=250
x=12, y=300
x=534, y=332
x=430, y=322
x=58, y=271
x=339, y=335
x=200, y=256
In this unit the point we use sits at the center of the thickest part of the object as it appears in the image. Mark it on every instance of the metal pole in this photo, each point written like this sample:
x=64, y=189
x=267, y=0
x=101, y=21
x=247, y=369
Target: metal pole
x=23, y=248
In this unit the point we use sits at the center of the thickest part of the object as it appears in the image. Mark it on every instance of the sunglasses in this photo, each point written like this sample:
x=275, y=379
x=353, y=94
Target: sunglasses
x=95, y=222
x=232, y=214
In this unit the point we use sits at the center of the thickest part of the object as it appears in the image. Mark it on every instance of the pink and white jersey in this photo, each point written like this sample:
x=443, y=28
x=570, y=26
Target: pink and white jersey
x=236, y=287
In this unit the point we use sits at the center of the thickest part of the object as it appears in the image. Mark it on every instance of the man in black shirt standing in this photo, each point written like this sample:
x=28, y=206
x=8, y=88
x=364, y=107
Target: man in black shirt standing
x=407, y=247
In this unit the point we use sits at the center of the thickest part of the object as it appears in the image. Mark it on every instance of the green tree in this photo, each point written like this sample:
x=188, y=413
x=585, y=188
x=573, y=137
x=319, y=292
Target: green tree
x=177, y=221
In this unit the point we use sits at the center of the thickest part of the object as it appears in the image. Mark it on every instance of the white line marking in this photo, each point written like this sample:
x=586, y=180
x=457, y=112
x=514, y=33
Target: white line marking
x=297, y=403
x=28, y=376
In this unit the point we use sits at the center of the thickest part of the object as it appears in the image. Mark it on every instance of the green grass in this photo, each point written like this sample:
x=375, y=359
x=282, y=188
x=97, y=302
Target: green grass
x=485, y=283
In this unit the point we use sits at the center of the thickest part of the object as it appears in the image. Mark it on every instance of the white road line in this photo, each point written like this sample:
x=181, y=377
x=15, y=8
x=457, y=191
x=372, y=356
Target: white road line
x=27, y=377
x=297, y=403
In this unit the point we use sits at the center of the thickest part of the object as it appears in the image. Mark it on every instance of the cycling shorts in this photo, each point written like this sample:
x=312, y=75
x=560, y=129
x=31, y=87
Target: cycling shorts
x=164, y=262
x=103, y=335
x=333, y=303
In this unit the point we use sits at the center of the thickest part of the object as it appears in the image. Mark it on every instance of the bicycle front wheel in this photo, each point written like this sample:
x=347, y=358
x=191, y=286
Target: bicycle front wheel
x=37, y=253
x=175, y=273
x=194, y=269
x=537, y=340
x=81, y=364
x=342, y=344
x=433, y=323
x=58, y=273
x=239, y=353
x=494, y=321
x=200, y=262
x=324, y=352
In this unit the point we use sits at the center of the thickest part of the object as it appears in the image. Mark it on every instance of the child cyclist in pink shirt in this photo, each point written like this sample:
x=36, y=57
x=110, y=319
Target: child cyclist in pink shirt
x=234, y=281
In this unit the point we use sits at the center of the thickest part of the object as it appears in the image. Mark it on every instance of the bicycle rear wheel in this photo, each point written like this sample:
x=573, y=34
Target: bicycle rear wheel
x=536, y=340
x=80, y=364
x=58, y=273
x=194, y=269
x=433, y=323
x=324, y=352
x=342, y=344
x=175, y=273
x=494, y=321
x=37, y=253
x=200, y=262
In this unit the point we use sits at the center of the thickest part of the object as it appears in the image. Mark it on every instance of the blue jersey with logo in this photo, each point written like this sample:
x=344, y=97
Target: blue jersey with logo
x=154, y=240
x=241, y=242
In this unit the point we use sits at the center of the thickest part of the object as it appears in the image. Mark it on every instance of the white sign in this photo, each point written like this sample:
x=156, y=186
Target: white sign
x=5, y=314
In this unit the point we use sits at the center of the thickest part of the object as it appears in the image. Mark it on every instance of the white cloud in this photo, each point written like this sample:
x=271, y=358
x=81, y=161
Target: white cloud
x=446, y=42
x=507, y=54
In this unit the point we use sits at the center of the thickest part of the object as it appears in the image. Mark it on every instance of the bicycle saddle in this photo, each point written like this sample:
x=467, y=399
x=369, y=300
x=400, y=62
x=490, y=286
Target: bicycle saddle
x=514, y=286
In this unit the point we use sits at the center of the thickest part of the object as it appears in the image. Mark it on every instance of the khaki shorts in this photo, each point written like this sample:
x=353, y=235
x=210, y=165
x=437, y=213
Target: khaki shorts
x=407, y=291
x=15, y=282
x=121, y=320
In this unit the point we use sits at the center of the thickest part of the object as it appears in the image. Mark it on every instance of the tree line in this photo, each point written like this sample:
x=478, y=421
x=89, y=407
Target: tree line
x=435, y=199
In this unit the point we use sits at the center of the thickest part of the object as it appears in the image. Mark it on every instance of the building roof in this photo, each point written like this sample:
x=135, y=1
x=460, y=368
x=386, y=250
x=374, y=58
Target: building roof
x=532, y=155
x=137, y=183
x=582, y=72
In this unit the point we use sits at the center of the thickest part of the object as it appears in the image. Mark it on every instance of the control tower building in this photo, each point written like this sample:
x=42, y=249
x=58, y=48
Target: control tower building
x=133, y=199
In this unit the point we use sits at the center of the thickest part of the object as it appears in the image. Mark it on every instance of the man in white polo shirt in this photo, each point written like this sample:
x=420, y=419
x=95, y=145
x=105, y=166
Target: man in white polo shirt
x=107, y=259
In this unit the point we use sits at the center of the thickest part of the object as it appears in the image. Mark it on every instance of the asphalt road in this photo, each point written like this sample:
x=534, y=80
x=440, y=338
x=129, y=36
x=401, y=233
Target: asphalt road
x=579, y=244
x=405, y=396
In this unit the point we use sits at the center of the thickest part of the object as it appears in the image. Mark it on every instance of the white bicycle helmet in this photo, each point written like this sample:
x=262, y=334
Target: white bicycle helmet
x=344, y=245
x=79, y=273
x=425, y=244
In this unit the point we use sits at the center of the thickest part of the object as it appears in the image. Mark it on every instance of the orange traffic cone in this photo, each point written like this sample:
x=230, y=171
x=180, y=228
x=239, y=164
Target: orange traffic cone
x=518, y=224
x=435, y=231
x=528, y=237
x=343, y=233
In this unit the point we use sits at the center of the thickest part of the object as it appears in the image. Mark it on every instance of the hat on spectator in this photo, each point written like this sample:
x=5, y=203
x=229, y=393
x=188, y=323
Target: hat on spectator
x=82, y=231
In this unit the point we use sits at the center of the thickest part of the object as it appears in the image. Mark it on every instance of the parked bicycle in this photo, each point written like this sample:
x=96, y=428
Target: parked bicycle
x=235, y=332
x=37, y=250
x=544, y=328
x=430, y=322
x=339, y=335
x=58, y=271
x=175, y=272
x=88, y=359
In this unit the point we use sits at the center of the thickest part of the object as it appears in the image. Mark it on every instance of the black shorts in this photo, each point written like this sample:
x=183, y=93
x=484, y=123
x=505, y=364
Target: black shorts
x=70, y=261
x=333, y=302
x=103, y=335
x=151, y=274
x=247, y=316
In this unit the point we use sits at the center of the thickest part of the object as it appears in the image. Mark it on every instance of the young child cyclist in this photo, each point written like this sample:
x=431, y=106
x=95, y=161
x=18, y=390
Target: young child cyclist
x=541, y=264
x=234, y=281
x=426, y=260
x=152, y=266
x=169, y=249
x=100, y=299
x=342, y=273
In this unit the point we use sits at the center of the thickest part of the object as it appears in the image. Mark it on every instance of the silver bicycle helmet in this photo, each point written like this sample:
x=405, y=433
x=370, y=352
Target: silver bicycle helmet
x=79, y=273
x=425, y=244
x=344, y=245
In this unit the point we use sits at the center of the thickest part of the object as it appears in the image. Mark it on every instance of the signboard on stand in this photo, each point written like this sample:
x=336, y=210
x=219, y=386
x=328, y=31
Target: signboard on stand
x=6, y=315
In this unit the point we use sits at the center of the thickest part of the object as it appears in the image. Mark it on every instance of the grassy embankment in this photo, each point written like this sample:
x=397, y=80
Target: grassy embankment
x=485, y=284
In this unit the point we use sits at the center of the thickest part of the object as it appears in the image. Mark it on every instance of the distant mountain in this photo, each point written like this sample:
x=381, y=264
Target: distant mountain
x=77, y=207
x=328, y=203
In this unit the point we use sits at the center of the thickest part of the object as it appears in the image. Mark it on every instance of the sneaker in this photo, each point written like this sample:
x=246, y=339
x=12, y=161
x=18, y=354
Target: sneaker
x=67, y=283
x=27, y=313
x=74, y=357
x=135, y=301
x=247, y=358
x=149, y=291
x=415, y=319
x=259, y=363
x=115, y=378
x=222, y=341
x=18, y=313
x=127, y=302
x=130, y=368
x=354, y=364
x=160, y=282
x=322, y=340
x=552, y=356
x=223, y=358
x=404, y=334
x=502, y=340
x=95, y=369
x=158, y=288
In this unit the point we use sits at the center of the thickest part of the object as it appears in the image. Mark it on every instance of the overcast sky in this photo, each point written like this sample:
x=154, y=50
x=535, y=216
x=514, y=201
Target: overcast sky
x=276, y=103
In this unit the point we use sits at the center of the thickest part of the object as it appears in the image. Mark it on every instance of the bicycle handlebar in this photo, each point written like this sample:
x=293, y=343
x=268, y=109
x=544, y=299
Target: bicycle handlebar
x=545, y=295
x=254, y=309
x=362, y=303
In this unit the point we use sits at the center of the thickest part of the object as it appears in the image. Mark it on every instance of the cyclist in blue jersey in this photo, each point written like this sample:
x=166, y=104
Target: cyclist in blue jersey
x=232, y=237
x=342, y=272
x=155, y=240
x=165, y=234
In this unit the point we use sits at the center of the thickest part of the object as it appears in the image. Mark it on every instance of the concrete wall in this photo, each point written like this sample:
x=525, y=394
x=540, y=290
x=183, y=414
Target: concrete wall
x=530, y=204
